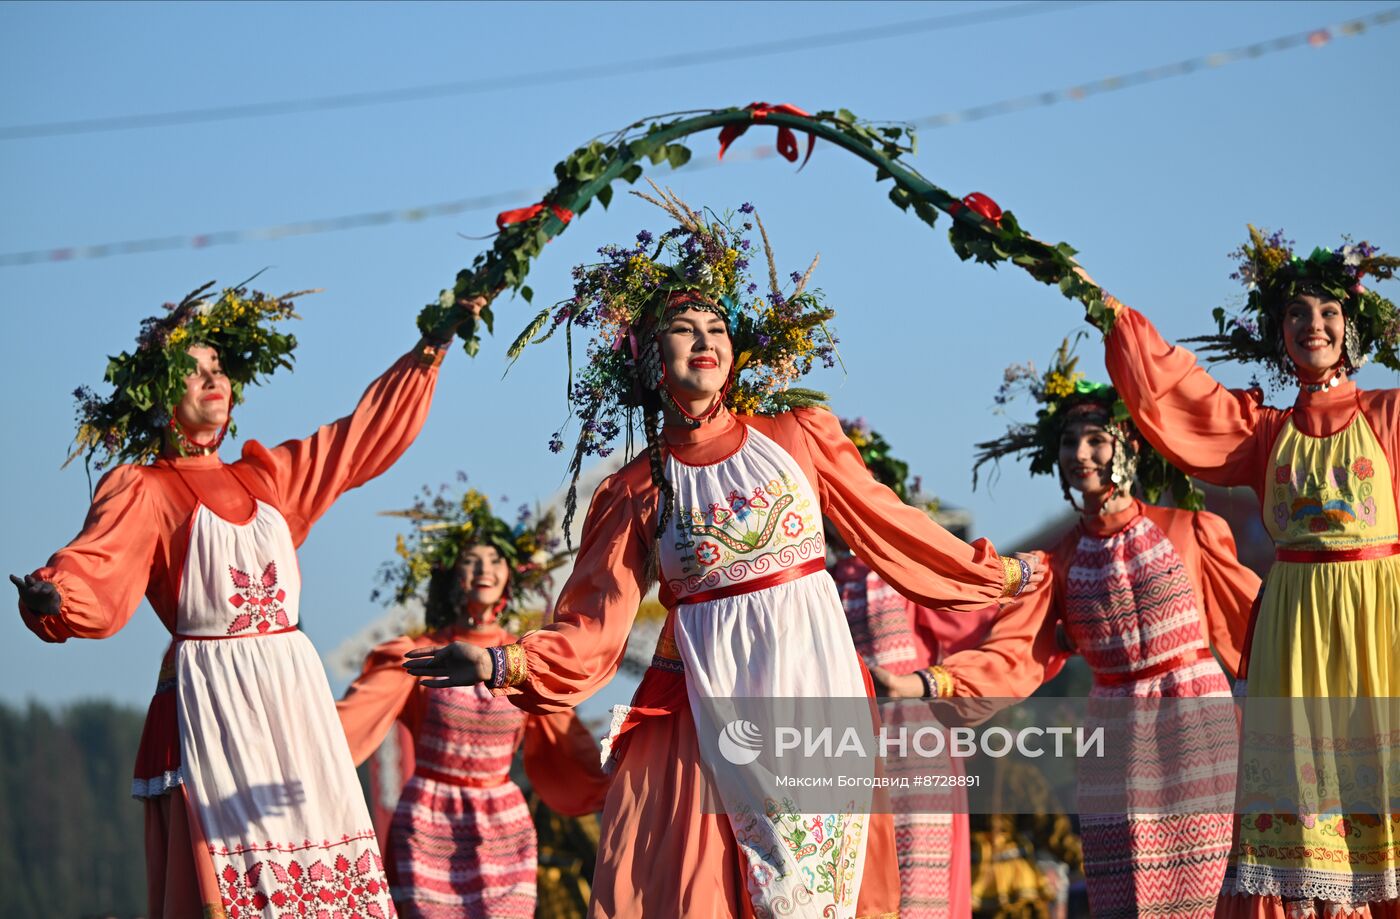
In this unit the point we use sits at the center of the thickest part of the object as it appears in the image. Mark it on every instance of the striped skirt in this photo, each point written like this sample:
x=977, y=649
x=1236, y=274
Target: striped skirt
x=461, y=852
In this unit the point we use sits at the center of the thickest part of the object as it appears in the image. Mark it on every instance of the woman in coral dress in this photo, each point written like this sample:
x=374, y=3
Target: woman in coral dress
x=726, y=508
x=461, y=842
x=1143, y=593
x=1328, y=621
x=252, y=804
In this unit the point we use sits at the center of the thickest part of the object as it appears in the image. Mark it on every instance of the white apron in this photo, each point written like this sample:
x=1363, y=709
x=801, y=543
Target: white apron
x=264, y=758
x=739, y=525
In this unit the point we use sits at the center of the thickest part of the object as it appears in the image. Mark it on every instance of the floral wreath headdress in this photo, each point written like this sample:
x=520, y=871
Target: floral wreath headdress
x=1273, y=275
x=888, y=470
x=625, y=299
x=130, y=424
x=1064, y=396
x=445, y=526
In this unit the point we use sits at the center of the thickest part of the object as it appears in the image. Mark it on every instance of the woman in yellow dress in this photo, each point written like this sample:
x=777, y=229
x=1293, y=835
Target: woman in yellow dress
x=1318, y=830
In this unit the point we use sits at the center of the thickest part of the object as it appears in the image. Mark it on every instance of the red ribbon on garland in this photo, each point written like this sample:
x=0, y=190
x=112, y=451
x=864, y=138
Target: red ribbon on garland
x=520, y=215
x=787, y=141
x=981, y=204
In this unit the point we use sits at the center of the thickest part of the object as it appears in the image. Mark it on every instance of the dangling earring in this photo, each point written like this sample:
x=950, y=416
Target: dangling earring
x=1123, y=466
x=1351, y=345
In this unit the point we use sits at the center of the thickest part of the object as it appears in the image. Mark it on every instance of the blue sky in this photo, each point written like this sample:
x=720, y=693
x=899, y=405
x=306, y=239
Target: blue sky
x=1153, y=184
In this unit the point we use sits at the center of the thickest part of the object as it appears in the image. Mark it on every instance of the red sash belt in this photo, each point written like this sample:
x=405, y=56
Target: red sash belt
x=461, y=781
x=811, y=566
x=181, y=637
x=1147, y=673
x=1361, y=554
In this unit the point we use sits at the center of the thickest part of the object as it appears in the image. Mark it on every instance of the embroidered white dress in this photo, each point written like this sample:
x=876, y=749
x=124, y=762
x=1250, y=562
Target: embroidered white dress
x=264, y=759
x=739, y=526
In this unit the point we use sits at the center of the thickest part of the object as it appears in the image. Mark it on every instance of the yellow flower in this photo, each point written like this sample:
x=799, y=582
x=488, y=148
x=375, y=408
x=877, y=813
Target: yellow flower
x=1057, y=385
x=400, y=547
x=178, y=336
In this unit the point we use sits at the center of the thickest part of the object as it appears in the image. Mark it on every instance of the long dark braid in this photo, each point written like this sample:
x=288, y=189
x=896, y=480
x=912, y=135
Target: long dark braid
x=665, y=494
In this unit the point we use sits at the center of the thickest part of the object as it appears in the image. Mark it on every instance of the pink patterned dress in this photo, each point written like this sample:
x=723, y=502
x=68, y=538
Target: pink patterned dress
x=1131, y=610
x=461, y=842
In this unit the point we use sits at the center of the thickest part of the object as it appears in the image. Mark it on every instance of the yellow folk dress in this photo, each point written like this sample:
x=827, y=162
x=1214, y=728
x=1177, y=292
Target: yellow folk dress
x=1325, y=635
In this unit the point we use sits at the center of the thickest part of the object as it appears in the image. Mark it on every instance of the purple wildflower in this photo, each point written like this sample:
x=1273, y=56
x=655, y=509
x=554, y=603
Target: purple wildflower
x=644, y=238
x=746, y=208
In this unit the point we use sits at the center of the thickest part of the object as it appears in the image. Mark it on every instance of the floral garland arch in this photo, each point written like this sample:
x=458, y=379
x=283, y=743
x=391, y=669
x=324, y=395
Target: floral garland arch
x=980, y=229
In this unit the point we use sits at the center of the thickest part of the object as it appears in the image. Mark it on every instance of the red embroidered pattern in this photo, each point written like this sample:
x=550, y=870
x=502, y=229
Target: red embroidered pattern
x=340, y=891
x=259, y=600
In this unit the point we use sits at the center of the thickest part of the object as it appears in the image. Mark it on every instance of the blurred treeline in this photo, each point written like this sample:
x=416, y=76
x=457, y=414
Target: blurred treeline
x=71, y=836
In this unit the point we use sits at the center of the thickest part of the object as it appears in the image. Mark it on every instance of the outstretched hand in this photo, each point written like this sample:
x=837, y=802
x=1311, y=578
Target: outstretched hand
x=455, y=664
x=40, y=597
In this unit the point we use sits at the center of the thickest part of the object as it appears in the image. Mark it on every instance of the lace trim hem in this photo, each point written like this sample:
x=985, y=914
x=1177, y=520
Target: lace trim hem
x=158, y=786
x=1307, y=884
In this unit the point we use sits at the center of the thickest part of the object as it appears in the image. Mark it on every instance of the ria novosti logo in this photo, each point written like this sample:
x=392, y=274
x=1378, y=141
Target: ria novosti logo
x=740, y=742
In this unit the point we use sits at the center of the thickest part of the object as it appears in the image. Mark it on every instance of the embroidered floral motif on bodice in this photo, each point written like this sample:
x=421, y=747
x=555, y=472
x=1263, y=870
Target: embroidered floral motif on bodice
x=258, y=601
x=746, y=517
x=1330, y=492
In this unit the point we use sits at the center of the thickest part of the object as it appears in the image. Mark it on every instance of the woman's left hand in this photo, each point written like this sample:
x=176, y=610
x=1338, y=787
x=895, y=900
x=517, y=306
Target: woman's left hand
x=456, y=664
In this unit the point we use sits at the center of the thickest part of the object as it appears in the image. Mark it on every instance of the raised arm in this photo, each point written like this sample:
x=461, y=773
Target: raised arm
x=102, y=574
x=307, y=475
x=1201, y=427
x=377, y=697
x=564, y=765
x=919, y=558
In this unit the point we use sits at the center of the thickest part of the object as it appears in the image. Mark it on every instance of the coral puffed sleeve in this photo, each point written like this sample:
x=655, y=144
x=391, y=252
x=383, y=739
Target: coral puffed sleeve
x=103, y=573
x=919, y=558
x=1020, y=651
x=564, y=765
x=377, y=698
x=1228, y=589
x=1201, y=427
x=565, y=662
x=307, y=475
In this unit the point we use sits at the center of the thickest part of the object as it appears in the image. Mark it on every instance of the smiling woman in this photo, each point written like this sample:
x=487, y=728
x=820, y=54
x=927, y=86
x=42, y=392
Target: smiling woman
x=1143, y=593
x=461, y=841
x=726, y=511
x=1328, y=620
x=250, y=794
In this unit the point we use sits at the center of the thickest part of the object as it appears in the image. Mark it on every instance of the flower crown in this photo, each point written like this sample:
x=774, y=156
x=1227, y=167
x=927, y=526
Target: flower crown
x=701, y=263
x=444, y=527
x=127, y=426
x=1065, y=395
x=1273, y=275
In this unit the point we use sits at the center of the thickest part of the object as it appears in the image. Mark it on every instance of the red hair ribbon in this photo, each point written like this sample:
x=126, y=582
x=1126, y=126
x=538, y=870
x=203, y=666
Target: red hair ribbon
x=520, y=215
x=787, y=141
x=980, y=204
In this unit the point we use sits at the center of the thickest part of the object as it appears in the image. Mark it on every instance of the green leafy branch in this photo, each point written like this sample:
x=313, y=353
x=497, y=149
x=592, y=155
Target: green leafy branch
x=590, y=171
